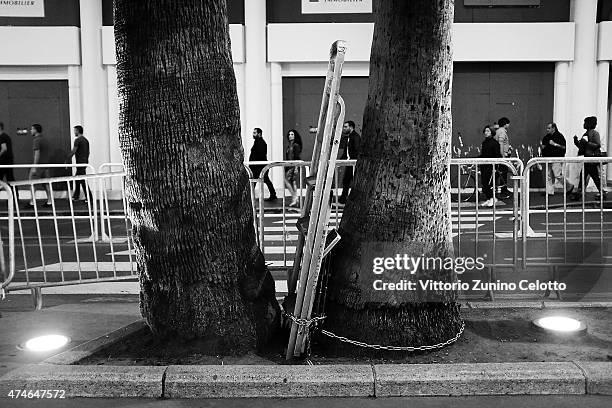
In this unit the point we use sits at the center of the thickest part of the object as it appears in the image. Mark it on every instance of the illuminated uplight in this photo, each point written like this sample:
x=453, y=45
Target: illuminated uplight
x=560, y=324
x=46, y=343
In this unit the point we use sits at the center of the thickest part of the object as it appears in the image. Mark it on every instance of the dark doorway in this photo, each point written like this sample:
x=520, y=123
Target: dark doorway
x=23, y=103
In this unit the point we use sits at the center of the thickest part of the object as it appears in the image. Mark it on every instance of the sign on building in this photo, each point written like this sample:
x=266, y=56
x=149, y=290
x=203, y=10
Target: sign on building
x=22, y=8
x=336, y=6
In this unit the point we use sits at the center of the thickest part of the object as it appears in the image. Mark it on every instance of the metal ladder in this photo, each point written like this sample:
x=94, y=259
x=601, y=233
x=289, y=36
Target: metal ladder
x=315, y=241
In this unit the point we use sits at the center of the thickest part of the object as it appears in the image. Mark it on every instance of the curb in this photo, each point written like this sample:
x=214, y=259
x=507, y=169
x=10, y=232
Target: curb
x=536, y=304
x=260, y=381
x=86, y=381
x=479, y=379
x=271, y=381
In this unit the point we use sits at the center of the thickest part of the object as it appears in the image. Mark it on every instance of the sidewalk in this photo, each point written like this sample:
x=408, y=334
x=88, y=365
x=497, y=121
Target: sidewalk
x=91, y=317
x=81, y=317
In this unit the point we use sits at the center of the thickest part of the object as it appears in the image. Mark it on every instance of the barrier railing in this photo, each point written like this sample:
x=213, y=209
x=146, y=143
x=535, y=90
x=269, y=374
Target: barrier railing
x=557, y=212
x=276, y=240
x=58, y=244
x=7, y=240
x=504, y=232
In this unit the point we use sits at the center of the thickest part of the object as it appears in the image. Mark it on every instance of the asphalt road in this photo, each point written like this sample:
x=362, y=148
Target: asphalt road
x=528, y=401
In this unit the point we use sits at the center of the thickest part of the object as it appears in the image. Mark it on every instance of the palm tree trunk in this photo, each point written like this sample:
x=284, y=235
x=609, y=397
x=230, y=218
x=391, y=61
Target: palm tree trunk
x=201, y=272
x=400, y=202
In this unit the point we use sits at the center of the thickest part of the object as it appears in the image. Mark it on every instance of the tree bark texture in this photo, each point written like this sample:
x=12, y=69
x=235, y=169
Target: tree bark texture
x=400, y=199
x=201, y=272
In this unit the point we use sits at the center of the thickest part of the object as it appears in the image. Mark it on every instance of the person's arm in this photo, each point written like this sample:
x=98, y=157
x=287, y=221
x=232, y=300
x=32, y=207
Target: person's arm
x=3, y=149
x=72, y=152
x=355, y=147
x=36, y=161
x=561, y=144
x=595, y=139
x=261, y=150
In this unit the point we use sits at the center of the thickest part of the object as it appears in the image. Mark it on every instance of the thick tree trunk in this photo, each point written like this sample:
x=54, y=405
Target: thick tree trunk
x=400, y=197
x=201, y=272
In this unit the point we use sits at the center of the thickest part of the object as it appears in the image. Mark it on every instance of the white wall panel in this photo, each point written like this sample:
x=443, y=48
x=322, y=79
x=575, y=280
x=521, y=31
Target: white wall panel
x=472, y=42
x=605, y=42
x=108, y=44
x=39, y=46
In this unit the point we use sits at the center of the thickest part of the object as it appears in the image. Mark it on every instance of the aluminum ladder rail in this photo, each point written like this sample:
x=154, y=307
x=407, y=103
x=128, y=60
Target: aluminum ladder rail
x=314, y=241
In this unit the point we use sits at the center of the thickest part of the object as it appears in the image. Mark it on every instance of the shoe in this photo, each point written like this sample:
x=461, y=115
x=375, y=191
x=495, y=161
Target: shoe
x=498, y=202
x=504, y=195
x=570, y=191
x=488, y=203
x=295, y=203
x=47, y=205
x=271, y=198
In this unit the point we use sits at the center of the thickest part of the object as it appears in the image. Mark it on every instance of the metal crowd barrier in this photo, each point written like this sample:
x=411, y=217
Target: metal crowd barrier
x=72, y=254
x=557, y=212
x=277, y=240
x=7, y=240
x=101, y=231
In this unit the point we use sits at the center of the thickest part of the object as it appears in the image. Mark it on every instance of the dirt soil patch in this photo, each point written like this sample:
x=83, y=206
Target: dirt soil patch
x=491, y=335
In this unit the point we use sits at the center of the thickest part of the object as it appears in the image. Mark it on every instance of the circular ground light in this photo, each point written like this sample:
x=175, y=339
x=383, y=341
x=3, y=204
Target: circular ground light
x=560, y=325
x=48, y=342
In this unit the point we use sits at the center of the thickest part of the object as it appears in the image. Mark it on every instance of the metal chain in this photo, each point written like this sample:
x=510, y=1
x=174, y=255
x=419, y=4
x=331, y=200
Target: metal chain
x=304, y=322
x=395, y=348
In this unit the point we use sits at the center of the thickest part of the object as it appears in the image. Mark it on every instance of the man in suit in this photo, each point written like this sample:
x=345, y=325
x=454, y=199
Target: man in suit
x=349, y=146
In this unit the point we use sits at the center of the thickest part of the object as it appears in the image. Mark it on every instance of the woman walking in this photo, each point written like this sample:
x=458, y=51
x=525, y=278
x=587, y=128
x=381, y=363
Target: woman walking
x=294, y=149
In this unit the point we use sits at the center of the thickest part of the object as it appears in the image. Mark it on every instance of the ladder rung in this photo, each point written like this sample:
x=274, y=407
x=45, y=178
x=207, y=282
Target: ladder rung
x=330, y=242
x=311, y=181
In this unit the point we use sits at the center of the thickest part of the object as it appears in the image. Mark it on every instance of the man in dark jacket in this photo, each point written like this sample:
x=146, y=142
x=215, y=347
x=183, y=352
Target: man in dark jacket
x=553, y=145
x=259, y=153
x=349, y=148
x=490, y=150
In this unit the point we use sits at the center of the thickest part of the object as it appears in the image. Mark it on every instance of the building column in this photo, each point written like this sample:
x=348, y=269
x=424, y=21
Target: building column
x=93, y=82
x=239, y=74
x=74, y=96
x=584, y=73
x=113, y=114
x=561, y=96
x=276, y=105
x=603, y=75
x=256, y=77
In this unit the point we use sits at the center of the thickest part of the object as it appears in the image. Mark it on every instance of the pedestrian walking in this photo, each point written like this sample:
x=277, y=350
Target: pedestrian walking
x=554, y=145
x=293, y=152
x=80, y=151
x=40, y=148
x=259, y=152
x=589, y=145
x=349, y=145
x=501, y=135
x=490, y=149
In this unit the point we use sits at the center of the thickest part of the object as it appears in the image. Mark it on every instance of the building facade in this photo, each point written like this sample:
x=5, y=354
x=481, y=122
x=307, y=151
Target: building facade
x=533, y=61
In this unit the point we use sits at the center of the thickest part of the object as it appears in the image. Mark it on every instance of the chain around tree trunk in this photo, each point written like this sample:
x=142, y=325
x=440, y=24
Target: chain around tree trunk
x=396, y=348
